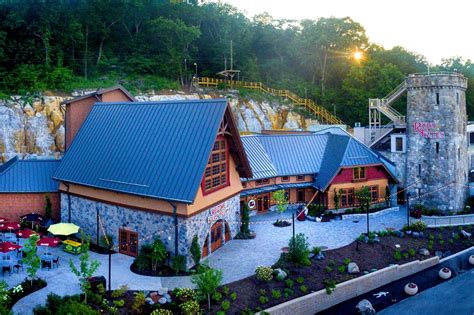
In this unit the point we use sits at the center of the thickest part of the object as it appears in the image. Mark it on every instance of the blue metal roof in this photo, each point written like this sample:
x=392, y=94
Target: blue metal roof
x=290, y=154
x=271, y=188
x=28, y=176
x=152, y=149
x=318, y=154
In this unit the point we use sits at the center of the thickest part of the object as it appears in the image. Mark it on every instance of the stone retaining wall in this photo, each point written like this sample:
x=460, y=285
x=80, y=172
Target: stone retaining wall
x=452, y=220
x=320, y=300
x=371, y=215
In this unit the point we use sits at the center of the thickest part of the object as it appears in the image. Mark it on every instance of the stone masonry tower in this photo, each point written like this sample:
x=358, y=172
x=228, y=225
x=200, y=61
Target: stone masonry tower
x=437, y=159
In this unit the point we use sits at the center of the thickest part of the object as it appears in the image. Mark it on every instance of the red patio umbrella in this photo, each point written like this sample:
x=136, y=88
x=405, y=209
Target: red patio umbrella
x=6, y=247
x=9, y=226
x=26, y=233
x=48, y=242
x=3, y=220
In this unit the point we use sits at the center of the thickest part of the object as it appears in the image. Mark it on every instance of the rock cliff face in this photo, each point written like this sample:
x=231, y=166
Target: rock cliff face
x=35, y=126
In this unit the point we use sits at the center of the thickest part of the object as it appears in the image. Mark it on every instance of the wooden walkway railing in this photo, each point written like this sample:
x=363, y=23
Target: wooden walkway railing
x=323, y=115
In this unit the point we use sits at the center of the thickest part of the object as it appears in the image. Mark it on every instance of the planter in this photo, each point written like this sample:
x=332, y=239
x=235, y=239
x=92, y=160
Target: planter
x=411, y=289
x=444, y=273
x=280, y=223
x=471, y=259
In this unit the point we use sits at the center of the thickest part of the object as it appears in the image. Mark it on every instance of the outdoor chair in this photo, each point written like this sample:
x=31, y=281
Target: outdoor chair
x=56, y=261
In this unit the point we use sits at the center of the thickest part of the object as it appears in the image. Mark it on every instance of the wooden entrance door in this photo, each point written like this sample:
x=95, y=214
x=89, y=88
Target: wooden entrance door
x=128, y=242
x=263, y=202
x=266, y=202
x=216, y=236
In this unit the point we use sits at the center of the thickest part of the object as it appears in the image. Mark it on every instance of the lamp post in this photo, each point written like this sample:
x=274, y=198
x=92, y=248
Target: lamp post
x=195, y=69
x=408, y=208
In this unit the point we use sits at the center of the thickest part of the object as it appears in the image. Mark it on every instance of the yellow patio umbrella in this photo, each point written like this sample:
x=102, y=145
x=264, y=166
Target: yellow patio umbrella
x=63, y=228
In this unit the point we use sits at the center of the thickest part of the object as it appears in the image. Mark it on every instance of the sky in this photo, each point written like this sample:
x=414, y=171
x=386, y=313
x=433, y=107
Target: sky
x=436, y=29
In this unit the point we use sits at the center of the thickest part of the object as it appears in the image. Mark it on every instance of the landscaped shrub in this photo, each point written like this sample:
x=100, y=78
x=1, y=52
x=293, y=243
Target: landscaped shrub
x=411, y=252
x=138, y=301
x=178, y=263
x=185, y=294
x=287, y=292
x=217, y=296
x=300, y=280
x=315, y=210
x=263, y=299
x=316, y=250
x=106, y=241
x=328, y=269
x=330, y=285
x=417, y=210
x=195, y=250
x=418, y=226
x=119, y=292
x=74, y=308
x=225, y=305
x=151, y=256
x=347, y=261
x=289, y=283
x=233, y=296
x=341, y=269
x=190, y=308
x=303, y=288
x=276, y=294
x=397, y=255
x=207, y=283
x=405, y=255
x=264, y=273
x=161, y=311
x=299, y=250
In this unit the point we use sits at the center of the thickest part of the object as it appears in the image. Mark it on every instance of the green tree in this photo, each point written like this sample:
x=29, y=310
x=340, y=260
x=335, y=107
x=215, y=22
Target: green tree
x=196, y=250
x=86, y=267
x=31, y=258
x=207, y=283
x=281, y=201
x=245, y=219
x=337, y=198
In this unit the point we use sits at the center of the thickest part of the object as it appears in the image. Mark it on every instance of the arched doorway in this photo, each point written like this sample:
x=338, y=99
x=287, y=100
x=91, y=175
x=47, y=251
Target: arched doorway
x=216, y=237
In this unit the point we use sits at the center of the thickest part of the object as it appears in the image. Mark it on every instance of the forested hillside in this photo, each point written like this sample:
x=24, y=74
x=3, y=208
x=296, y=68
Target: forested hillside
x=63, y=45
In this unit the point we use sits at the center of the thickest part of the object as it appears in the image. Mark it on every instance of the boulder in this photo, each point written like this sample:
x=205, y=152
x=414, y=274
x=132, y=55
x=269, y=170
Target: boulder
x=364, y=307
x=353, y=268
x=154, y=296
x=319, y=256
x=424, y=252
x=280, y=274
x=149, y=301
x=167, y=297
x=465, y=234
x=162, y=300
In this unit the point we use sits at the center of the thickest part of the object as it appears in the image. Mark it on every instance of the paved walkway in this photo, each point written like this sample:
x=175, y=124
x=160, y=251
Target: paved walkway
x=238, y=258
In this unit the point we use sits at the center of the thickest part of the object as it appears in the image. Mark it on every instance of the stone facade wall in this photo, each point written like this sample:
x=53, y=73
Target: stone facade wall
x=436, y=113
x=400, y=160
x=12, y=206
x=150, y=224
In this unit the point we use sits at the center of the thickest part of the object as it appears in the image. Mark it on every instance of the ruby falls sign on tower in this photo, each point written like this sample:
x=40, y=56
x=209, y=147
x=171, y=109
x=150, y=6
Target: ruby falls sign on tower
x=430, y=130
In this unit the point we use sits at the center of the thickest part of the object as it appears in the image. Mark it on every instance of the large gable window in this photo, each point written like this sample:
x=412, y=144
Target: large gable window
x=359, y=173
x=216, y=175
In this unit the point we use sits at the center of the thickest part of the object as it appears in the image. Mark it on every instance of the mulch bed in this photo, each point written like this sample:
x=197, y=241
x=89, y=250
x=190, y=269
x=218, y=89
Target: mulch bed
x=368, y=257
x=28, y=288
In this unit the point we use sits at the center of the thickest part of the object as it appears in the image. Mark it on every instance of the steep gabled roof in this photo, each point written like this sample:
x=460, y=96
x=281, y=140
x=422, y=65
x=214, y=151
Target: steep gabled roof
x=99, y=93
x=321, y=155
x=153, y=149
x=28, y=176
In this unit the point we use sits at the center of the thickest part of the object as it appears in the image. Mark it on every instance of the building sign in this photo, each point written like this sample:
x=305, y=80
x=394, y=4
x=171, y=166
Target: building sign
x=251, y=204
x=217, y=212
x=430, y=130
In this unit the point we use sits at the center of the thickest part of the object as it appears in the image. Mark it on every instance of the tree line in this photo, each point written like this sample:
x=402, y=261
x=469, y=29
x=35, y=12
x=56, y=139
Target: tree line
x=67, y=44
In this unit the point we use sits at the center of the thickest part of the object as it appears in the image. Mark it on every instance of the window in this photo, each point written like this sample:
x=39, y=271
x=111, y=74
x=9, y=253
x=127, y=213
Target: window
x=285, y=178
x=359, y=173
x=347, y=197
x=399, y=144
x=457, y=98
x=437, y=98
x=300, y=178
x=437, y=147
x=374, y=193
x=262, y=181
x=244, y=185
x=471, y=138
x=459, y=154
x=419, y=169
x=216, y=175
x=300, y=195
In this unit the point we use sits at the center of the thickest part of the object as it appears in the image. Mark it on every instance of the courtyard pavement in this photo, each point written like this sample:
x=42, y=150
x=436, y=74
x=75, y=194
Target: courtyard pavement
x=238, y=258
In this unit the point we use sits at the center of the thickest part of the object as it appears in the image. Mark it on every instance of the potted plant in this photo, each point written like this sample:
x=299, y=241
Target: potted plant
x=411, y=289
x=444, y=273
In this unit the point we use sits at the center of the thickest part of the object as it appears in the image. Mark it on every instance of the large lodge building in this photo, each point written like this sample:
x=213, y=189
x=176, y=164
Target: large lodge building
x=176, y=169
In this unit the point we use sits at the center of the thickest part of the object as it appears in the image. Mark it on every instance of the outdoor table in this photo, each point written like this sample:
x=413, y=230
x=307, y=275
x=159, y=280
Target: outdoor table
x=72, y=247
